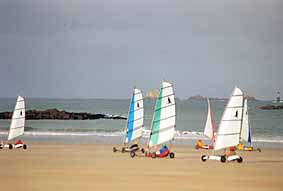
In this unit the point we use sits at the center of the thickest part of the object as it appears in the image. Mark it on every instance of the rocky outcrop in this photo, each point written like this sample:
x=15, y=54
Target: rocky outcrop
x=271, y=107
x=152, y=94
x=55, y=114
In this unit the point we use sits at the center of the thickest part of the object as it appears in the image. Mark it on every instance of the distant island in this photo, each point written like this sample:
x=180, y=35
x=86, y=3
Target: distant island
x=199, y=97
x=55, y=114
x=152, y=94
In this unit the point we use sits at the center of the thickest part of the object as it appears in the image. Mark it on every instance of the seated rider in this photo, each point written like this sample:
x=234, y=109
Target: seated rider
x=19, y=142
x=134, y=145
x=240, y=146
x=163, y=149
x=230, y=152
x=200, y=143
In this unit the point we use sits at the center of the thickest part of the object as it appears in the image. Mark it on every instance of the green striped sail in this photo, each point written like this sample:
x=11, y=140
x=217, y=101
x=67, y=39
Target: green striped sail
x=164, y=117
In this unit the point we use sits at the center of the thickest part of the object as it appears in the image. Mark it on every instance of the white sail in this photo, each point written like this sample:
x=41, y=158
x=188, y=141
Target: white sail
x=209, y=126
x=18, y=120
x=135, y=117
x=230, y=124
x=164, y=118
x=245, y=124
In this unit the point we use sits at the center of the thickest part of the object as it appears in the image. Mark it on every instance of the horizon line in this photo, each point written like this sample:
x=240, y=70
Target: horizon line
x=70, y=98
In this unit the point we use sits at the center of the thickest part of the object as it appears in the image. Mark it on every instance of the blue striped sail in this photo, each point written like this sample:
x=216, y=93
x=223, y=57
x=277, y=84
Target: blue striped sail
x=135, y=118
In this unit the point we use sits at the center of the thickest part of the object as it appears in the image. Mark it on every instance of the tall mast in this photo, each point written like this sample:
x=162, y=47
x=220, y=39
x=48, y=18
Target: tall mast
x=240, y=137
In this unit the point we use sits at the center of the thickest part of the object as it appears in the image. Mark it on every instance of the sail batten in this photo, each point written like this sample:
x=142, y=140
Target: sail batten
x=136, y=120
x=230, y=125
x=164, y=117
x=18, y=120
x=135, y=117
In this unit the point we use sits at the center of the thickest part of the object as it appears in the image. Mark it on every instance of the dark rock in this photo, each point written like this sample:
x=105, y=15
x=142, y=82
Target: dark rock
x=119, y=117
x=55, y=114
x=271, y=107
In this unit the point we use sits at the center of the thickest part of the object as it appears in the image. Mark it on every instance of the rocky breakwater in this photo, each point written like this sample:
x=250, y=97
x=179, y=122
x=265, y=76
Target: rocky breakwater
x=271, y=107
x=55, y=114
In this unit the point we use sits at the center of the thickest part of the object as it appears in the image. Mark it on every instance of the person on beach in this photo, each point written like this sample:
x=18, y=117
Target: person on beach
x=230, y=152
x=163, y=149
x=242, y=147
x=200, y=144
x=134, y=146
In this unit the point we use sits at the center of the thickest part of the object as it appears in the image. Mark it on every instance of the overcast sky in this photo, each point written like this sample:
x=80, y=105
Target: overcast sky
x=103, y=48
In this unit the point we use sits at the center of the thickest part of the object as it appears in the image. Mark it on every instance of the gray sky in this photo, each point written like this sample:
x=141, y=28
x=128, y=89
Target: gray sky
x=102, y=48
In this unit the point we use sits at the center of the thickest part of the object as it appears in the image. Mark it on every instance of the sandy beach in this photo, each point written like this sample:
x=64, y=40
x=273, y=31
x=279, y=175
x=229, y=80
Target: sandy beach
x=50, y=166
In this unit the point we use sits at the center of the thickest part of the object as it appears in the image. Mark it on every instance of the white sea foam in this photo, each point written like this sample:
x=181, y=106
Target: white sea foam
x=180, y=135
x=58, y=133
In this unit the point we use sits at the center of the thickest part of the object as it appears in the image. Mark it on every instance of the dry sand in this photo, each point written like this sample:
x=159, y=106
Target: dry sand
x=49, y=166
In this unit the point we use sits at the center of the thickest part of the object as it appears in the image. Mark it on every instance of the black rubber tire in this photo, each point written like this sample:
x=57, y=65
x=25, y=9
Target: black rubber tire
x=223, y=159
x=25, y=146
x=132, y=154
x=172, y=155
x=142, y=150
x=123, y=149
x=153, y=155
x=258, y=149
x=1, y=147
x=146, y=153
x=10, y=146
x=240, y=160
x=203, y=158
x=114, y=149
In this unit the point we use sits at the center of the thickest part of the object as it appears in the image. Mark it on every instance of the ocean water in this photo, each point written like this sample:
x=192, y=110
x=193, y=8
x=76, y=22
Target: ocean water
x=267, y=125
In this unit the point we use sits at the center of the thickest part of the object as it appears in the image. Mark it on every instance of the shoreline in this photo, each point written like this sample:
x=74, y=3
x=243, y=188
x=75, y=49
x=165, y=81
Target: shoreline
x=117, y=140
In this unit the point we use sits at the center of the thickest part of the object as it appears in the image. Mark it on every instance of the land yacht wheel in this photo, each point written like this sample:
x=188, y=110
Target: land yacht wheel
x=240, y=160
x=123, y=149
x=114, y=149
x=172, y=155
x=10, y=146
x=203, y=158
x=25, y=147
x=132, y=154
x=223, y=159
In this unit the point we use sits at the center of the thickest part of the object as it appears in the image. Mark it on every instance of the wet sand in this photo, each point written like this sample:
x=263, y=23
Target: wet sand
x=50, y=167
